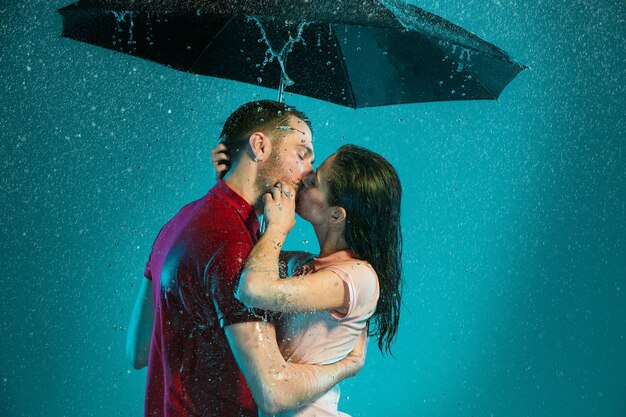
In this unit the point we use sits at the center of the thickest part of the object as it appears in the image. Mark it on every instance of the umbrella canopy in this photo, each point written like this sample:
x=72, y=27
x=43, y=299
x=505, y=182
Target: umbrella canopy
x=357, y=53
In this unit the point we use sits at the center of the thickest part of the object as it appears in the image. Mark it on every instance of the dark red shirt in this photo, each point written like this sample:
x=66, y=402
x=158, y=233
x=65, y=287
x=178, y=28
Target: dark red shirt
x=194, y=266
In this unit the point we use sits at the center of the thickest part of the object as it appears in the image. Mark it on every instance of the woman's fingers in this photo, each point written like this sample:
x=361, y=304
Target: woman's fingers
x=286, y=190
x=280, y=207
x=220, y=160
x=221, y=169
x=220, y=156
x=282, y=196
x=219, y=153
x=276, y=192
x=220, y=148
x=289, y=191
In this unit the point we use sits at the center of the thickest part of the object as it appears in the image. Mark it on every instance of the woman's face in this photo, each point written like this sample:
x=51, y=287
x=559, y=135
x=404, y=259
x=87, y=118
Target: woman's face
x=313, y=197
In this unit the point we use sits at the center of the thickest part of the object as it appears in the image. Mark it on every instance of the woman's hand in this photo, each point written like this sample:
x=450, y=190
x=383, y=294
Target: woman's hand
x=220, y=160
x=280, y=208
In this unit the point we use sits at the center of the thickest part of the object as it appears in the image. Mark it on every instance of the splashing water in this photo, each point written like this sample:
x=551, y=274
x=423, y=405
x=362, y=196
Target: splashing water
x=280, y=56
x=463, y=55
x=423, y=24
x=121, y=17
x=406, y=20
x=411, y=23
x=149, y=33
x=465, y=51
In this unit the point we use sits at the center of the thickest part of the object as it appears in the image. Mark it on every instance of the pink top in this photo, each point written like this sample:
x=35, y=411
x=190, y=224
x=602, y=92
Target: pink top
x=326, y=337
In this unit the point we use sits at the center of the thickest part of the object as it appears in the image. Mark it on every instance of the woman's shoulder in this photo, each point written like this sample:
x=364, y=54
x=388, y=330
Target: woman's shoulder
x=360, y=274
x=361, y=284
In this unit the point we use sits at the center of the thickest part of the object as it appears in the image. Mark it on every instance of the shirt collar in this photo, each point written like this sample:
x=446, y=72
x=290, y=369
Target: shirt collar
x=222, y=191
x=334, y=258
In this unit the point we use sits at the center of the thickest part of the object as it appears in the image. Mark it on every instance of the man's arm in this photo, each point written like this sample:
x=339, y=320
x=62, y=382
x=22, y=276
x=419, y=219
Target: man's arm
x=140, y=327
x=277, y=385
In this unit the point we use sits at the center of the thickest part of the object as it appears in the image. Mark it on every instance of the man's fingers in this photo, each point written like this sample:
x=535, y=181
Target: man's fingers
x=361, y=344
x=363, y=339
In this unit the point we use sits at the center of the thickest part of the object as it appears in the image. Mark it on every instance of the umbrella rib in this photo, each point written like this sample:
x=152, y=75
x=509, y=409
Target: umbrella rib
x=344, y=67
x=474, y=75
x=210, y=43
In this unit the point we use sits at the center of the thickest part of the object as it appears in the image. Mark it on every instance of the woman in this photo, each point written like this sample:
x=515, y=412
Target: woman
x=353, y=202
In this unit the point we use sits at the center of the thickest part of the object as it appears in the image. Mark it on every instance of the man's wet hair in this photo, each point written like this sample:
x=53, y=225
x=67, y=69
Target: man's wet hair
x=267, y=116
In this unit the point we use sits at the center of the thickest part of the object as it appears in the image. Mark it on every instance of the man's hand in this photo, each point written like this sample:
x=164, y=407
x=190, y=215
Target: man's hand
x=280, y=208
x=356, y=359
x=278, y=385
x=221, y=160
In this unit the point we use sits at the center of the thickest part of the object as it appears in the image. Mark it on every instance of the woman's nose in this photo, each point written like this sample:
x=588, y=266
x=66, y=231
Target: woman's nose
x=308, y=180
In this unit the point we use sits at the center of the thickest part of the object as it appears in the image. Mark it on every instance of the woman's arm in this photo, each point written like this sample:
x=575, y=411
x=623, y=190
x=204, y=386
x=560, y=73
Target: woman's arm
x=260, y=285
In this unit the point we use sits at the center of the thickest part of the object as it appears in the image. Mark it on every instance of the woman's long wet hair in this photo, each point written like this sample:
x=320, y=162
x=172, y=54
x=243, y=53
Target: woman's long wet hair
x=367, y=186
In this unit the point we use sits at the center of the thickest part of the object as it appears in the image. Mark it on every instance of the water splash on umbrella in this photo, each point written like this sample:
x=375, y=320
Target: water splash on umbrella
x=120, y=17
x=280, y=56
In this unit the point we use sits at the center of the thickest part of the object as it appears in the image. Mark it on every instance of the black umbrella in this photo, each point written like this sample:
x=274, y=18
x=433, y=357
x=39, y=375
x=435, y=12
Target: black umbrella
x=357, y=53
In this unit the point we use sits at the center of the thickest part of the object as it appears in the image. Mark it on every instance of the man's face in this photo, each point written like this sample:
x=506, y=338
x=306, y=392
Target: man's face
x=292, y=156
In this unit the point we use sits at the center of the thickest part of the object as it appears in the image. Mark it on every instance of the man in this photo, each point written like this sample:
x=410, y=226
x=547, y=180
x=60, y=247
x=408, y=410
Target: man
x=208, y=354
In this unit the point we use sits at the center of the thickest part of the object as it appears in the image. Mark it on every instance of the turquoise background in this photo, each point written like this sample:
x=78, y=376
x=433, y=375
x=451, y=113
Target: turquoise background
x=513, y=216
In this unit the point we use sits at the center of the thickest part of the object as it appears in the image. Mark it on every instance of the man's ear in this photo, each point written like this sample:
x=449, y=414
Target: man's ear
x=260, y=146
x=337, y=215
